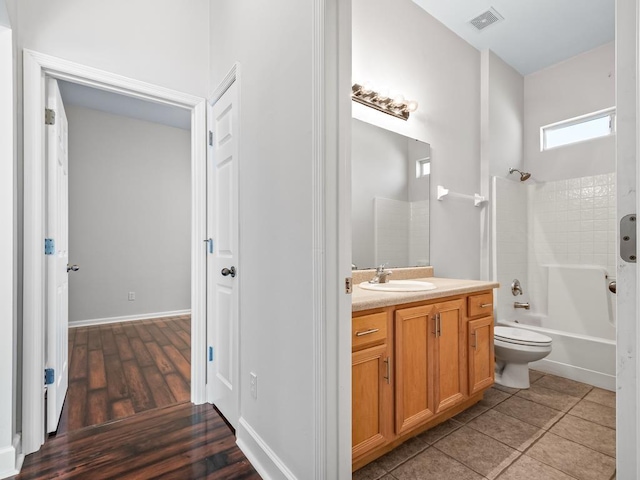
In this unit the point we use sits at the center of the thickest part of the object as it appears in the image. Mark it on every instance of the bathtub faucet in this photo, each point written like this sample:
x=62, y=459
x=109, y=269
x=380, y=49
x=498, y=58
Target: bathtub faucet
x=524, y=305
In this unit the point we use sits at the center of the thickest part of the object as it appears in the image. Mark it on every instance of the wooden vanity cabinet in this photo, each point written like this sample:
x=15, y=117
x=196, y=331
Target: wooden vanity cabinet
x=372, y=395
x=430, y=358
x=481, y=350
x=415, y=366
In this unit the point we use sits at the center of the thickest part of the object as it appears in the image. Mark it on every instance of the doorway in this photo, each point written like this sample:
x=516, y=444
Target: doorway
x=128, y=258
x=36, y=67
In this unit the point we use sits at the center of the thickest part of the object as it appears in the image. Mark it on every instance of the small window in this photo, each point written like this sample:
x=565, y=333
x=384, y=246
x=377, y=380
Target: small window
x=594, y=125
x=423, y=167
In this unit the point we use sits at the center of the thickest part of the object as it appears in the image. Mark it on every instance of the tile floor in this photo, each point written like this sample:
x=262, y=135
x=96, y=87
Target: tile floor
x=558, y=429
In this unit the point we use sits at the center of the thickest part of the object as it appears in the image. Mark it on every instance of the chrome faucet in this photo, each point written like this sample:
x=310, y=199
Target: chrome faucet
x=381, y=275
x=524, y=305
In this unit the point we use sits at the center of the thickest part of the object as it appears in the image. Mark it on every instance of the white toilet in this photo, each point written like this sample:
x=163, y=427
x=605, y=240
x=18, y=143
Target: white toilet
x=514, y=349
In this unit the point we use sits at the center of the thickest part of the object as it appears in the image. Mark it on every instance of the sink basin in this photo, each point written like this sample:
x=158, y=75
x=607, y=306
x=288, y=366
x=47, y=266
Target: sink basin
x=399, y=286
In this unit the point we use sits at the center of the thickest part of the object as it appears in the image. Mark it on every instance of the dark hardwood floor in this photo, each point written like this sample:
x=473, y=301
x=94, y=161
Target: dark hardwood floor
x=127, y=413
x=181, y=442
x=121, y=369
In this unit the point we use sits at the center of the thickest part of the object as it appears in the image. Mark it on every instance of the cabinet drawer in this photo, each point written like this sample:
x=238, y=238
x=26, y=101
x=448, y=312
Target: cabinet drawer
x=368, y=330
x=480, y=304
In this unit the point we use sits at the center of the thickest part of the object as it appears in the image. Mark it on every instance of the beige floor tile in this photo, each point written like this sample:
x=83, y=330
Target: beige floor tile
x=511, y=431
x=436, y=433
x=506, y=389
x=372, y=471
x=477, y=451
x=388, y=476
x=492, y=397
x=471, y=413
x=586, y=433
x=534, y=375
x=527, y=468
x=571, y=458
x=596, y=413
x=564, y=385
x=548, y=397
x=603, y=397
x=529, y=412
x=434, y=465
x=401, y=454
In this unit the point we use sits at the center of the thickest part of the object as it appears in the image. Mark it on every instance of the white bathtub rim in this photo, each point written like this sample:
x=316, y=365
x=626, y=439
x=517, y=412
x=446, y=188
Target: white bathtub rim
x=513, y=323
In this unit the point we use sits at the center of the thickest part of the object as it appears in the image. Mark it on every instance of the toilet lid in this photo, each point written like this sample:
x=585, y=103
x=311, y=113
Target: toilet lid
x=521, y=336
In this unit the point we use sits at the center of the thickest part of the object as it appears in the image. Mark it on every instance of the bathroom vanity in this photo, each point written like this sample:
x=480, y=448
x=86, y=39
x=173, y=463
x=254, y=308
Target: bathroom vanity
x=418, y=358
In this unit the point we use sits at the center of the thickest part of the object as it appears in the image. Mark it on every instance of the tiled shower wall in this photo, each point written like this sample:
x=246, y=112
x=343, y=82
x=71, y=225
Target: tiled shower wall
x=562, y=222
x=571, y=222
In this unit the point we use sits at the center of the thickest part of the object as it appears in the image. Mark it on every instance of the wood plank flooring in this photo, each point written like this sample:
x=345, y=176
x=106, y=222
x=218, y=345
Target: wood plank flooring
x=121, y=369
x=185, y=442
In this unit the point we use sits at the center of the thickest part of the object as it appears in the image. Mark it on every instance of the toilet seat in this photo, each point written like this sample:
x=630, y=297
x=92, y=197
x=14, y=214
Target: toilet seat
x=520, y=336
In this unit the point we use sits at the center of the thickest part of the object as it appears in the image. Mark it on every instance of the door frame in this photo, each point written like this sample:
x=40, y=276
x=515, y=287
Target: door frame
x=35, y=67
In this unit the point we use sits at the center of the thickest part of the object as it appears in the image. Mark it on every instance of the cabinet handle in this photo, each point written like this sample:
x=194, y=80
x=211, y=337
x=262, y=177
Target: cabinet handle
x=485, y=305
x=388, y=376
x=367, y=332
x=475, y=341
x=438, y=325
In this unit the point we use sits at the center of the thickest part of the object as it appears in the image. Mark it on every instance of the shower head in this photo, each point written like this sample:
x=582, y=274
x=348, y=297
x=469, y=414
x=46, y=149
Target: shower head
x=523, y=175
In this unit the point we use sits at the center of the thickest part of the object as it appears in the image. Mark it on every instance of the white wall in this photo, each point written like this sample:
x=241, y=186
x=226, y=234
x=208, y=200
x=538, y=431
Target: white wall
x=577, y=86
x=272, y=41
x=129, y=216
x=425, y=61
x=164, y=42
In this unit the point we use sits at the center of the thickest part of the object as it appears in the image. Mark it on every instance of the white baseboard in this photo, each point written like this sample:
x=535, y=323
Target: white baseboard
x=128, y=318
x=263, y=459
x=10, y=459
x=591, y=377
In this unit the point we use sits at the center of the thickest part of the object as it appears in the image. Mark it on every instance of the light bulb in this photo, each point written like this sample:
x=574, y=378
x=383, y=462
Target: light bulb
x=367, y=87
x=398, y=99
x=383, y=93
x=412, y=106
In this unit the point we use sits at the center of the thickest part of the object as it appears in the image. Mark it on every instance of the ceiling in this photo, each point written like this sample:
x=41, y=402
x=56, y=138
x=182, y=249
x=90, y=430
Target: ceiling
x=534, y=33
x=117, y=104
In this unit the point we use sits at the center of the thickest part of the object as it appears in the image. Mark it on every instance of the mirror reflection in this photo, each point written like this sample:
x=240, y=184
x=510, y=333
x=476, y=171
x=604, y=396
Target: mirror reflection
x=390, y=198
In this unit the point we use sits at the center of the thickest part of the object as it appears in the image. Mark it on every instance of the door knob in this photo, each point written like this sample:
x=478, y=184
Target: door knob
x=612, y=286
x=229, y=271
x=72, y=268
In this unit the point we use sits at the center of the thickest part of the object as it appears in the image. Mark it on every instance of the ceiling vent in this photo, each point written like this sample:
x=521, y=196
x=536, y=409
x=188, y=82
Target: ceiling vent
x=485, y=19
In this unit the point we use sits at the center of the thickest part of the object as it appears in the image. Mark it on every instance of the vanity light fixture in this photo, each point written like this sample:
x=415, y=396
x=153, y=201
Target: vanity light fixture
x=381, y=101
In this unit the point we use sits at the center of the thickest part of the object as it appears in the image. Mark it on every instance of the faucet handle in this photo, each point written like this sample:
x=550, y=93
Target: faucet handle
x=380, y=268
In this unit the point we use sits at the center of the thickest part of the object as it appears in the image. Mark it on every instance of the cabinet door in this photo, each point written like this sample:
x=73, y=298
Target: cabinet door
x=451, y=355
x=481, y=359
x=371, y=400
x=414, y=357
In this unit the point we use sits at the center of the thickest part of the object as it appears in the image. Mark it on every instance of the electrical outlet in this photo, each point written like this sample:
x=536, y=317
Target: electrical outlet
x=253, y=385
x=132, y=296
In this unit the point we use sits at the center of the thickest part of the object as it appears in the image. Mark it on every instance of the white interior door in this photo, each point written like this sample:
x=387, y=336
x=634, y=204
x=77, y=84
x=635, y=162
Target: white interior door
x=222, y=257
x=57, y=229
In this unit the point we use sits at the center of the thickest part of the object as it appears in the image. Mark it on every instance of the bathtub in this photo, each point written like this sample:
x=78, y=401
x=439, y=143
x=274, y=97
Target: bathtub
x=576, y=356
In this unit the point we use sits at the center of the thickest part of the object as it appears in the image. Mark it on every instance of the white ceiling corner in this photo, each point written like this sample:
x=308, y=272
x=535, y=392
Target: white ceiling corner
x=533, y=34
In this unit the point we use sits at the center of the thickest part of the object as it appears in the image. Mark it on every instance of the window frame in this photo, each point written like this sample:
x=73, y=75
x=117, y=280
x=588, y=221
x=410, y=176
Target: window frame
x=604, y=113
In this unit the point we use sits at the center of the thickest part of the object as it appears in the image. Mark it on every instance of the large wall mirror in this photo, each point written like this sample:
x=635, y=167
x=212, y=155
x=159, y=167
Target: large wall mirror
x=390, y=198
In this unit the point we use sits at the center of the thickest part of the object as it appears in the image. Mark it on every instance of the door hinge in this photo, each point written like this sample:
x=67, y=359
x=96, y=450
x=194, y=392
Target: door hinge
x=210, y=138
x=49, y=116
x=211, y=354
x=628, y=238
x=49, y=246
x=348, y=285
x=49, y=376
